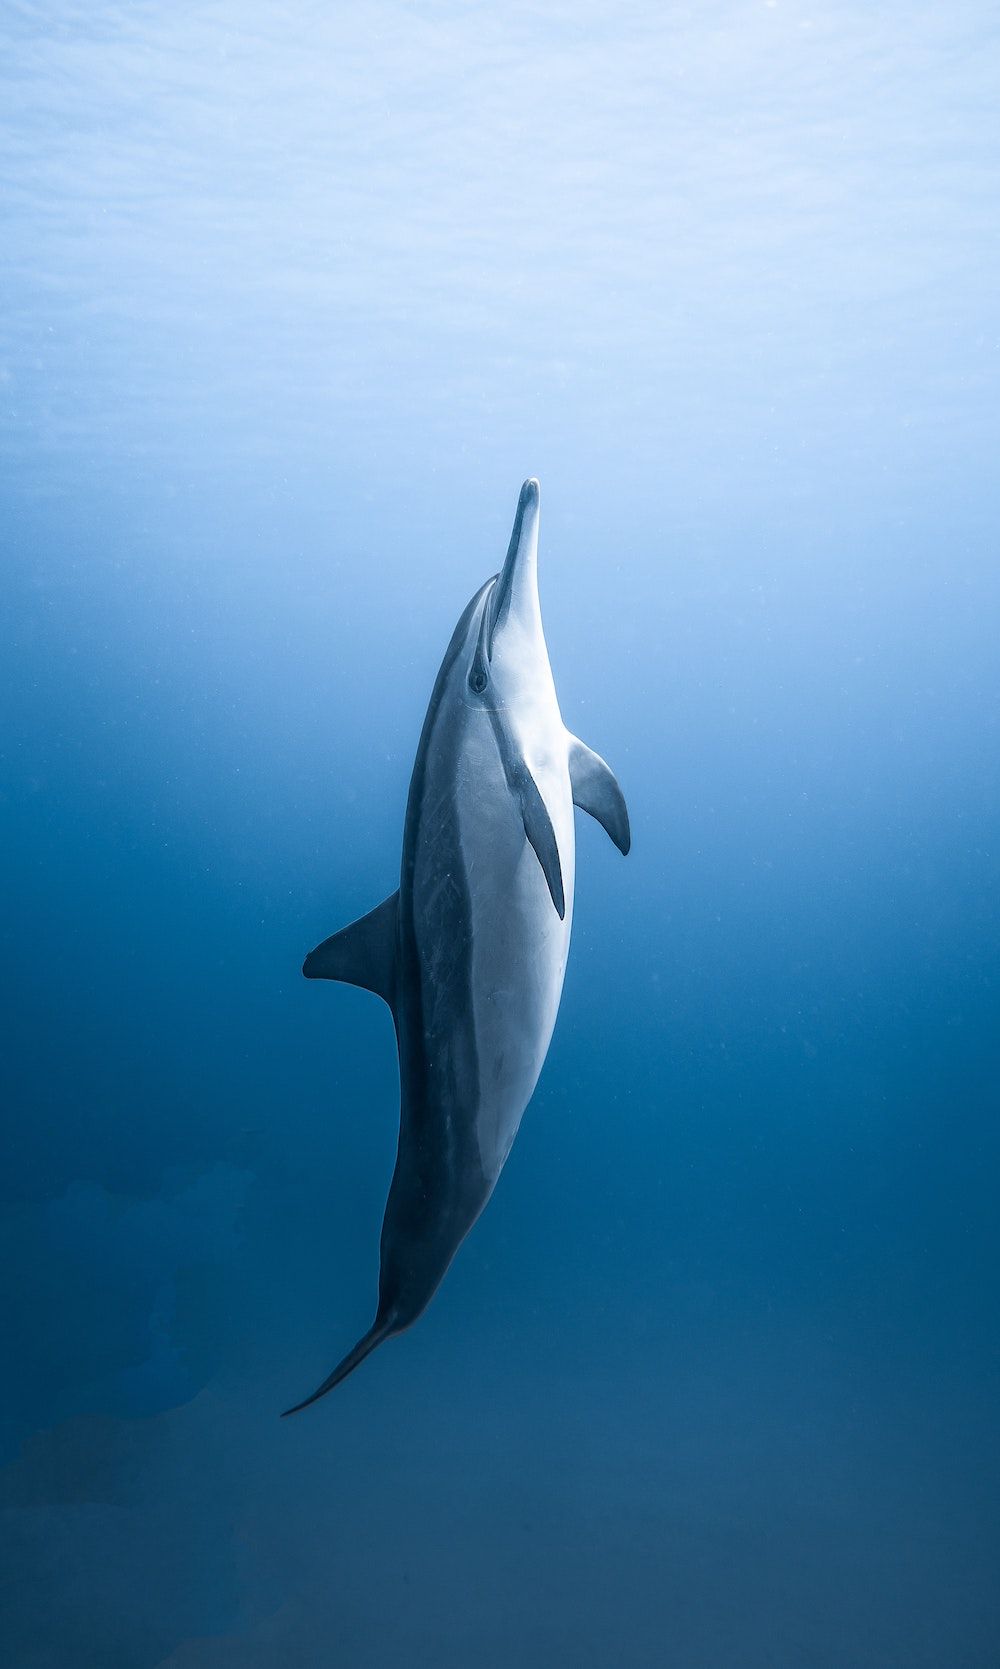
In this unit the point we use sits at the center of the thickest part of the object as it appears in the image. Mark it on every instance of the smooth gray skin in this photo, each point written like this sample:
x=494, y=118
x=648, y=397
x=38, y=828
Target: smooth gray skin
x=470, y=953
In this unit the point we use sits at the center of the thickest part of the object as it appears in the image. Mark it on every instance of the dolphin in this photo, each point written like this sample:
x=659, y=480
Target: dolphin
x=471, y=951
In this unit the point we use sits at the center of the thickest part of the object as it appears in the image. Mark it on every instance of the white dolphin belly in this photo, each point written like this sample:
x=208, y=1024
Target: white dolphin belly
x=519, y=943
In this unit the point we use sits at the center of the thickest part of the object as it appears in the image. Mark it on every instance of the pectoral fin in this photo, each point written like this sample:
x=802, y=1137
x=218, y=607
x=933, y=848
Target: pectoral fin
x=534, y=812
x=595, y=789
x=540, y=833
x=363, y=954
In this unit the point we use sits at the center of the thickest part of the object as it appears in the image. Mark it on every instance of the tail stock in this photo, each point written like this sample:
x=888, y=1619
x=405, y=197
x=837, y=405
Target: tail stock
x=380, y=1330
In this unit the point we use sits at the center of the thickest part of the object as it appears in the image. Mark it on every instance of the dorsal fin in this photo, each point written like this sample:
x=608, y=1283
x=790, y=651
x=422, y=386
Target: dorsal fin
x=363, y=954
x=595, y=789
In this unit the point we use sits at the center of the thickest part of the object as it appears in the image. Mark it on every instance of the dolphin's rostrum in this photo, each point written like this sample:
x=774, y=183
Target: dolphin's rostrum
x=470, y=953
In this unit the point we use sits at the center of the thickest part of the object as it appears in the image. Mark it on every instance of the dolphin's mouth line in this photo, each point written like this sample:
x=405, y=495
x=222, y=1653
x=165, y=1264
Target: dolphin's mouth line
x=500, y=598
x=479, y=671
x=498, y=606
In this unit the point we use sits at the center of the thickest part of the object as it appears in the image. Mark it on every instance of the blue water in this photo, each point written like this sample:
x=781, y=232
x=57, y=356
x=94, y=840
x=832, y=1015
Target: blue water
x=293, y=299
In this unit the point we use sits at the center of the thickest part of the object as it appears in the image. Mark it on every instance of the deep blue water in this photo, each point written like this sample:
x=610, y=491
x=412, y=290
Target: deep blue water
x=293, y=299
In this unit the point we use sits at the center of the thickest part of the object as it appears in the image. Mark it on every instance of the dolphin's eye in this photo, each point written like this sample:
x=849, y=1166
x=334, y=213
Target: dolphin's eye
x=478, y=679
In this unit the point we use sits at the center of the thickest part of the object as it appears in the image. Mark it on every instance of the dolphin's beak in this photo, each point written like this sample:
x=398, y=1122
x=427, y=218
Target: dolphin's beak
x=516, y=589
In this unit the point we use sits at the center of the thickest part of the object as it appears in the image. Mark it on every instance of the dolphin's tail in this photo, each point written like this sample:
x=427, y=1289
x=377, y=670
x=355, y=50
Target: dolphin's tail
x=380, y=1330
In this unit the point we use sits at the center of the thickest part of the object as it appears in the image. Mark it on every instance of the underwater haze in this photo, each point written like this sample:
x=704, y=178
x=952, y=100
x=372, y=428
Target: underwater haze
x=293, y=298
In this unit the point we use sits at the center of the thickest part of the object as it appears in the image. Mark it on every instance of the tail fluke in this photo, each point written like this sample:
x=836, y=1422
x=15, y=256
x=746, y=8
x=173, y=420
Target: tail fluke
x=379, y=1330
